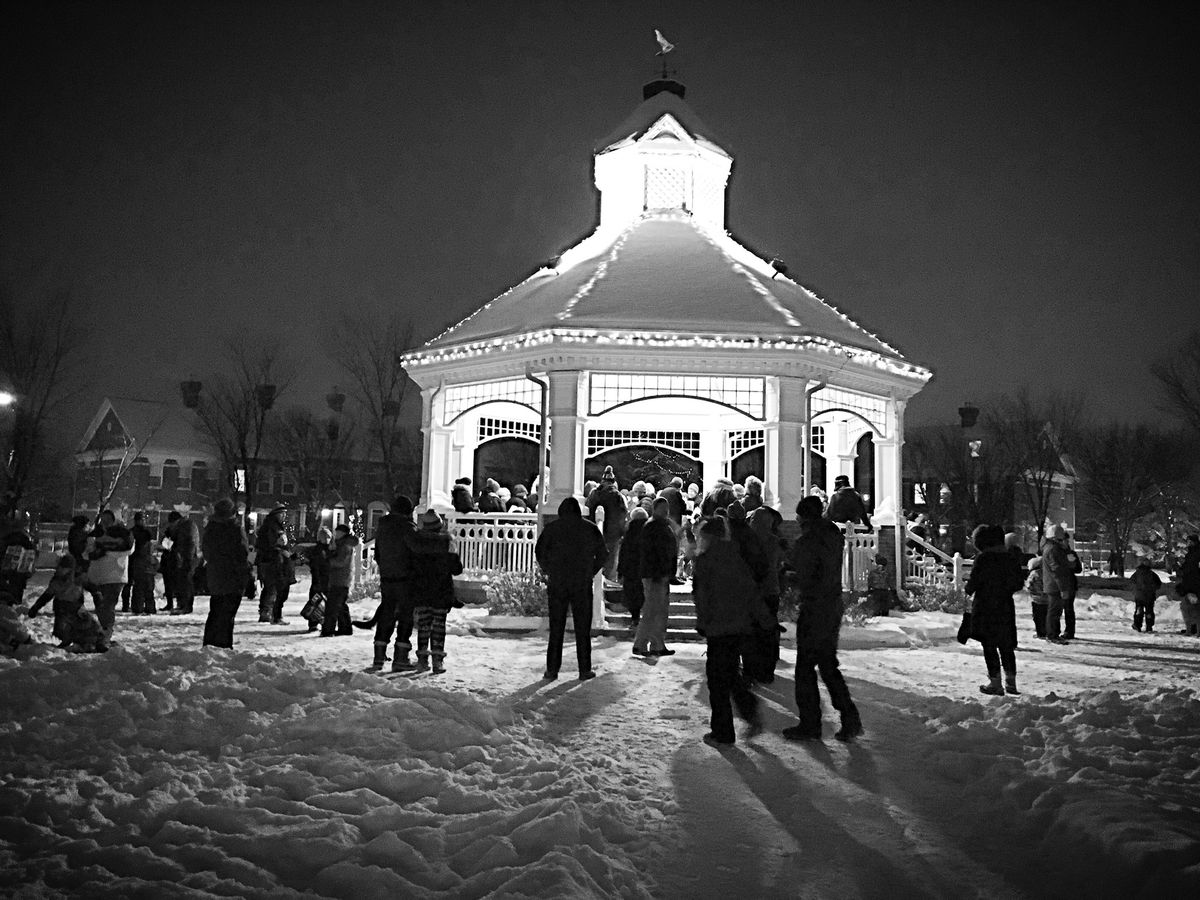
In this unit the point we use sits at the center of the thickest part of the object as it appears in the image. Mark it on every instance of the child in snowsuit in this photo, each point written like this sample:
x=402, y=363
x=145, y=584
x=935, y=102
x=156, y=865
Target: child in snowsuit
x=1039, y=603
x=341, y=564
x=434, y=563
x=66, y=593
x=878, y=595
x=318, y=567
x=1145, y=586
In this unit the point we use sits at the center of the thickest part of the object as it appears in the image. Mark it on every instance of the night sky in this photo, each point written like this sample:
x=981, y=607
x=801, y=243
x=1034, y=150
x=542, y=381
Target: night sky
x=1007, y=192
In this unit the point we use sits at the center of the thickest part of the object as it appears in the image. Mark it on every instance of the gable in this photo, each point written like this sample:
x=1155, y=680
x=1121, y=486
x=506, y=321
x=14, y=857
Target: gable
x=109, y=434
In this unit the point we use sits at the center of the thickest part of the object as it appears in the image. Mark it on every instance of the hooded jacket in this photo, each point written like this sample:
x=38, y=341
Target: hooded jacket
x=846, y=505
x=341, y=561
x=608, y=497
x=722, y=587
x=995, y=576
x=658, y=549
x=393, y=537
x=571, y=549
x=816, y=563
x=460, y=499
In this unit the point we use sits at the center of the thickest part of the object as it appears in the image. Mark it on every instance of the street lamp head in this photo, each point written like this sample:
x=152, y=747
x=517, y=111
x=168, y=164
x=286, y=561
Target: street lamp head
x=969, y=414
x=7, y=398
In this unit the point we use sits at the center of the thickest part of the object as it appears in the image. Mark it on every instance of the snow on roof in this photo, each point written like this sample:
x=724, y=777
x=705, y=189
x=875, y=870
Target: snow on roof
x=160, y=426
x=650, y=111
x=664, y=272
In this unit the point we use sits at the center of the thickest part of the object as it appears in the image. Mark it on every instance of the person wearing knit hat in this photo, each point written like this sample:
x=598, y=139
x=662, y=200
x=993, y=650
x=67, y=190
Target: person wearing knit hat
x=318, y=569
x=342, y=555
x=489, y=497
x=608, y=499
x=393, y=556
x=434, y=565
x=430, y=520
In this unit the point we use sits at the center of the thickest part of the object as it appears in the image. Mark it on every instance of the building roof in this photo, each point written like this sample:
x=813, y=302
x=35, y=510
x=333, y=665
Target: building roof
x=157, y=426
x=650, y=111
x=663, y=273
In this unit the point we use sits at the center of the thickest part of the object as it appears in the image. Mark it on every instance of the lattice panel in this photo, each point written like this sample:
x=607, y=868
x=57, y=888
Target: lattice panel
x=606, y=390
x=873, y=409
x=666, y=187
x=462, y=397
x=606, y=438
x=738, y=442
x=494, y=428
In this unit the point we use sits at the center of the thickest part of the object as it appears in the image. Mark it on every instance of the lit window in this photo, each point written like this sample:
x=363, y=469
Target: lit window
x=462, y=397
x=818, y=439
x=496, y=428
x=607, y=390
x=739, y=442
x=687, y=442
x=873, y=409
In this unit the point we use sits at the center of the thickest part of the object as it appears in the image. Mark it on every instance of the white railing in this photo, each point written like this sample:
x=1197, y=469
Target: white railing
x=364, y=562
x=494, y=542
x=858, y=557
x=925, y=564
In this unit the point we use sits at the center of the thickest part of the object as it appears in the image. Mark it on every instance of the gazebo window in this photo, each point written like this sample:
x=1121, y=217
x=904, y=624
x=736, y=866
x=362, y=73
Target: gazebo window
x=494, y=428
x=738, y=442
x=462, y=397
x=603, y=439
x=611, y=389
x=873, y=409
x=817, y=439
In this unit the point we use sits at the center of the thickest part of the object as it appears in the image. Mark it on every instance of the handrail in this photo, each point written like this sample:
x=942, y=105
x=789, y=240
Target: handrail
x=928, y=547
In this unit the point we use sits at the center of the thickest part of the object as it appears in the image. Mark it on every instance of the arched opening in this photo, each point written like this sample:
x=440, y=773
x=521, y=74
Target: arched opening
x=752, y=462
x=644, y=462
x=508, y=460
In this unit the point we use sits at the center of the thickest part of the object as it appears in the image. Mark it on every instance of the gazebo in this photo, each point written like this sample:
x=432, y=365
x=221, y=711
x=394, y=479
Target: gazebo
x=660, y=345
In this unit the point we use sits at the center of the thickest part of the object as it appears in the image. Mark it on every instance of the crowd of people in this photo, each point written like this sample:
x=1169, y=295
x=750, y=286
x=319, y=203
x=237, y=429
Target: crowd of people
x=726, y=541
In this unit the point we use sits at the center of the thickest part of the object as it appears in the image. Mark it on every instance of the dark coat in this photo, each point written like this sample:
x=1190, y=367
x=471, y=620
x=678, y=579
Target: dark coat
x=1145, y=583
x=995, y=576
x=608, y=497
x=490, y=503
x=185, y=543
x=141, y=561
x=460, y=498
x=434, y=565
x=718, y=498
x=1058, y=571
x=268, y=554
x=658, y=550
x=341, y=560
x=846, y=505
x=816, y=564
x=676, y=505
x=1189, y=571
x=750, y=547
x=571, y=549
x=723, y=588
x=629, y=565
x=318, y=567
x=226, y=556
x=393, y=551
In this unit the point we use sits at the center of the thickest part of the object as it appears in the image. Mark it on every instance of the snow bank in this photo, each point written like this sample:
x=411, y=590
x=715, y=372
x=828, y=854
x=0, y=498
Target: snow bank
x=172, y=774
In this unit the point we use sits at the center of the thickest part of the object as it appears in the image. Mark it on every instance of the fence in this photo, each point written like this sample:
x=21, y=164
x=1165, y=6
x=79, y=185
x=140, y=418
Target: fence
x=859, y=555
x=496, y=542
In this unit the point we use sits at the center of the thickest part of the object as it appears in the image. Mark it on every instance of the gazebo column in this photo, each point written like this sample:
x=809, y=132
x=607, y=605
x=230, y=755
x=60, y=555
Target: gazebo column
x=566, y=426
x=435, y=465
x=791, y=416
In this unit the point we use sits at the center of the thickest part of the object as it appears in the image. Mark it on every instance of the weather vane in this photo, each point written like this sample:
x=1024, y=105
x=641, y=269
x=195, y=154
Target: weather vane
x=664, y=47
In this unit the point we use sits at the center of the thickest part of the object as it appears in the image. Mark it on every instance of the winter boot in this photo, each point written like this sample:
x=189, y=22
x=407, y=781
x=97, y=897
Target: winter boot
x=992, y=687
x=851, y=728
x=1010, y=683
x=380, y=656
x=401, y=663
x=422, y=661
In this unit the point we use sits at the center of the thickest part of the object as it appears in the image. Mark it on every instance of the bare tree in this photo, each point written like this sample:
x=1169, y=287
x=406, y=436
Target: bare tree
x=1179, y=376
x=314, y=452
x=1120, y=470
x=41, y=352
x=1036, y=438
x=235, y=407
x=367, y=346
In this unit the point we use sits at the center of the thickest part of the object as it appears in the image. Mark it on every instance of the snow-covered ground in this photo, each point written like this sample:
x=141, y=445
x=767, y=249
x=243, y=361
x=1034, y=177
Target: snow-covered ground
x=161, y=770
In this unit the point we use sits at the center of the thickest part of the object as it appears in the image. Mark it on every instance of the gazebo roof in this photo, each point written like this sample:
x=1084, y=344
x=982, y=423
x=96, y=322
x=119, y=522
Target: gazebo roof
x=662, y=273
x=649, y=111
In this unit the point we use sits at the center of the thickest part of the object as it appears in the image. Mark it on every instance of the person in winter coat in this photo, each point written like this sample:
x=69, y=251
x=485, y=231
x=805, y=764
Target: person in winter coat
x=167, y=563
x=753, y=498
x=606, y=496
x=108, y=569
x=318, y=571
x=489, y=497
x=721, y=585
x=570, y=551
x=142, y=567
x=995, y=577
x=1058, y=583
x=460, y=496
x=720, y=497
x=658, y=549
x=1145, y=588
x=185, y=546
x=519, y=502
x=273, y=560
x=846, y=505
x=878, y=587
x=1038, y=601
x=434, y=565
x=816, y=564
x=765, y=523
x=341, y=573
x=629, y=566
x=227, y=558
x=676, y=504
x=393, y=556
x=18, y=554
x=65, y=592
